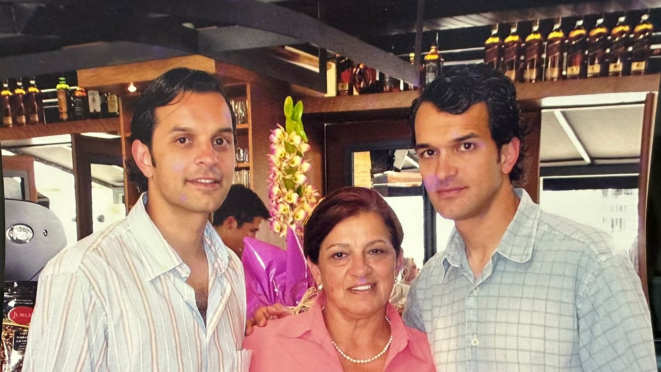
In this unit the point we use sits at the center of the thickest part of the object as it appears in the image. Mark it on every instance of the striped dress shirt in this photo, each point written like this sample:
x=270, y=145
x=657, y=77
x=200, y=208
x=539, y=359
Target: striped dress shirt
x=118, y=301
x=555, y=296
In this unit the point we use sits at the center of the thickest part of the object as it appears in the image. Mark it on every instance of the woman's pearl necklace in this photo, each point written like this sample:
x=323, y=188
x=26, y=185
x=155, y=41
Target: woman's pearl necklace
x=363, y=361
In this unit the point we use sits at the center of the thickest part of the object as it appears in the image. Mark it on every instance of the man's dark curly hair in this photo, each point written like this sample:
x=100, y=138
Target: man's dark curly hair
x=161, y=92
x=461, y=87
x=242, y=204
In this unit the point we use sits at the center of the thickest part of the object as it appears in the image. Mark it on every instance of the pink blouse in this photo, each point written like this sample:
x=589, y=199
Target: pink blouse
x=302, y=343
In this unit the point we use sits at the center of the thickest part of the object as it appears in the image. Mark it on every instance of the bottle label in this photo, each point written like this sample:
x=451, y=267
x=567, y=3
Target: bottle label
x=511, y=74
x=492, y=56
x=553, y=50
x=34, y=118
x=20, y=119
x=552, y=73
x=638, y=66
x=113, y=107
x=615, y=67
x=94, y=101
x=62, y=104
x=6, y=121
x=594, y=70
x=573, y=71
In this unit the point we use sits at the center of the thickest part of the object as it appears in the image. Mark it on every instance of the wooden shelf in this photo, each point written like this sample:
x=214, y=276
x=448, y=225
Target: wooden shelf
x=243, y=126
x=531, y=94
x=108, y=125
x=242, y=166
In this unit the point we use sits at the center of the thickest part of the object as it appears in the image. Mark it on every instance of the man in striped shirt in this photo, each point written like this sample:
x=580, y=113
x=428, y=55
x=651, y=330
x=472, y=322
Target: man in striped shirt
x=158, y=291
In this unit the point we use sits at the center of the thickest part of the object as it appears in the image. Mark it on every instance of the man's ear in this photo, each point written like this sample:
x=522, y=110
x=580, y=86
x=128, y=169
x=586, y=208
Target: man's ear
x=142, y=157
x=509, y=154
x=230, y=223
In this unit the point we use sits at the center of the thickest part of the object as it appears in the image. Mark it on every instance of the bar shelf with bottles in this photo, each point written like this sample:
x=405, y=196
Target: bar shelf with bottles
x=65, y=109
x=358, y=79
x=598, y=52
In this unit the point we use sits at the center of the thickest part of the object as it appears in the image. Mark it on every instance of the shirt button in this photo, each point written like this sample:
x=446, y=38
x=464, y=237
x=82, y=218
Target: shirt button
x=475, y=341
x=476, y=289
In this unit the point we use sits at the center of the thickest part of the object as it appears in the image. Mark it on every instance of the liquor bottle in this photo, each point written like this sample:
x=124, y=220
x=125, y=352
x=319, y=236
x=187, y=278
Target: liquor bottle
x=94, y=104
x=619, y=64
x=363, y=78
x=533, y=63
x=104, y=104
x=389, y=83
x=433, y=65
x=493, y=50
x=555, y=52
x=63, y=99
x=512, y=56
x=576, y=52
x=33, y=102
x=598, y=50
x=79, y=103
x=409, y=86
x=5, y=104
x=640, y=53
x=19, y=107
x=113, y=105
x=344, y=69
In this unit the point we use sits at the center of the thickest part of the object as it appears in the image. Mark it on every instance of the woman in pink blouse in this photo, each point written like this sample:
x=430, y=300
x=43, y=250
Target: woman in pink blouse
x=353, y=246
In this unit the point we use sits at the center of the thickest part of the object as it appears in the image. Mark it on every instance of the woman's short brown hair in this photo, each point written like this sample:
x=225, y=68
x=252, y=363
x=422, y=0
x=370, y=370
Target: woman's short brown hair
x=342, y=204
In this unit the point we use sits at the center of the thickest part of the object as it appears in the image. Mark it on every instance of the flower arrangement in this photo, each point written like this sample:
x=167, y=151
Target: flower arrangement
x=291, y=198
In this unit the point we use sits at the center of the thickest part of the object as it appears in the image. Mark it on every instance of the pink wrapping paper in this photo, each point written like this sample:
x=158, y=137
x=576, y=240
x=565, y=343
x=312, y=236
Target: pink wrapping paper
x=273, y=275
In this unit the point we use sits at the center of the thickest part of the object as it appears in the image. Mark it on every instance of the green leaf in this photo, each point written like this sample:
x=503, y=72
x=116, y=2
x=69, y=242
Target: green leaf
x=298, y=111
x=289, y=107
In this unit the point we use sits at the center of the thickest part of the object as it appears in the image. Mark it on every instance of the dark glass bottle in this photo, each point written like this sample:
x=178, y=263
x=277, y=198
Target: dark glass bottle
x=33, y=105
x=433, y=65
x=533, y=63
x=344, y=68
x=493, y=50
x=363, y=78
x=5, y=105
x=577, y=52
x=79, y=103
x=619, y=61
x=640, y=53
x=555, y=52
x=598, y=44
x=19, y=107
x=512, y=54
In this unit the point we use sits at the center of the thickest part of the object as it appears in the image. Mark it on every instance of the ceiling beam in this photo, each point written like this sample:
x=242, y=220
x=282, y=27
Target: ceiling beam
x=83, y=56
x=571, y=134
x=223, y=39
x=267, y=64
x=279, y=20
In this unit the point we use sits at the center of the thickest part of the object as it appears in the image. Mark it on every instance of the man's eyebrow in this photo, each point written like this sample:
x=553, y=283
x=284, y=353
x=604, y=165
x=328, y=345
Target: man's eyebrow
x=421, y=146
x=466, y=137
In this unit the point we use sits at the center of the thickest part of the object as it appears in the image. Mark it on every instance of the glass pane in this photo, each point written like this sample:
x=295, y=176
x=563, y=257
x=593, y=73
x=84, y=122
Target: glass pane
x=409, y=212
x=612, y=210
x=59, y=188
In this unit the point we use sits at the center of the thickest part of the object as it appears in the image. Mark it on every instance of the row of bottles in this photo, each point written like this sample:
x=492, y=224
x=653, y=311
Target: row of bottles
x=22, y=107
x=582, y=54
x=362, y=79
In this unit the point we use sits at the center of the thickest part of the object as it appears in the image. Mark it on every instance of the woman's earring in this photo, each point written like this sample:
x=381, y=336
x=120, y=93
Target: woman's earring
x=320, y=287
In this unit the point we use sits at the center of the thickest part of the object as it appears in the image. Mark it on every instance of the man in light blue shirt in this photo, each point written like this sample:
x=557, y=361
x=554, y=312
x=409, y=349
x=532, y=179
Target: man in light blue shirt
x=516, y=289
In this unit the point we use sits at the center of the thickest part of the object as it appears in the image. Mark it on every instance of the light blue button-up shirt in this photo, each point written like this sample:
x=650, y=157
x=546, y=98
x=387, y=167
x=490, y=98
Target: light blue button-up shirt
x=555, y=296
